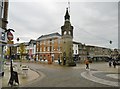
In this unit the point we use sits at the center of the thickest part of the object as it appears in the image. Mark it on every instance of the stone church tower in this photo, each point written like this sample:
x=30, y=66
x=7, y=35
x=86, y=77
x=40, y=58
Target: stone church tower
x=67, y=41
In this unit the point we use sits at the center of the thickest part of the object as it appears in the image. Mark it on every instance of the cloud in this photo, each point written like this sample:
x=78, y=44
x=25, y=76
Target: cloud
x=94, y=22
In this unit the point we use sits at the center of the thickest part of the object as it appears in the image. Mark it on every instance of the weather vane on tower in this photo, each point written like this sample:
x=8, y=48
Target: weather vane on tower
x=69, y=5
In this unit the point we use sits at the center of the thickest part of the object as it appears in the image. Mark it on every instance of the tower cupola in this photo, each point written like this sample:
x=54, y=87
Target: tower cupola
x=67, y=16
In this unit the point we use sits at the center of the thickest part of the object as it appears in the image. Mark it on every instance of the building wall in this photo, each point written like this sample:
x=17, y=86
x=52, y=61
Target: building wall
x=25, y=49
x=51, y=48
x=48, y=48
x=82, y=52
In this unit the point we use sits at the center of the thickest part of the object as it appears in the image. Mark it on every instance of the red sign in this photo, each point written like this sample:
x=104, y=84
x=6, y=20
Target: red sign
x=10, y=36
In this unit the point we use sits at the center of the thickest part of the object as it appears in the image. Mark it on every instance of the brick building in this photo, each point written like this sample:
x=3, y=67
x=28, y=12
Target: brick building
x=48, y=47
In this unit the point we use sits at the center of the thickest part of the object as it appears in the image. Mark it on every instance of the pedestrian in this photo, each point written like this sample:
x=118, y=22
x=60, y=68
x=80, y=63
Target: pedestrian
x=34, y=58
x=110, y=63
x=87, y=63
x=64, y=61
x=114, y=64
x=59, y=61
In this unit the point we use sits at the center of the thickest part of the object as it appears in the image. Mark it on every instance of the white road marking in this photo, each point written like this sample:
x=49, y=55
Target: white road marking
x=88, y=75
x=115, y=76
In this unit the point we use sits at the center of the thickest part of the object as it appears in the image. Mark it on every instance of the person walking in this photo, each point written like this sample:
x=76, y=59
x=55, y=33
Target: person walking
x=114, y=64
x=87, y=63
x=110, y=64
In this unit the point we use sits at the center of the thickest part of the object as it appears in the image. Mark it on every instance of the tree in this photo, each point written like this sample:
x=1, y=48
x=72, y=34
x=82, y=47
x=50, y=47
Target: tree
x=7, y=52
x=21, y=49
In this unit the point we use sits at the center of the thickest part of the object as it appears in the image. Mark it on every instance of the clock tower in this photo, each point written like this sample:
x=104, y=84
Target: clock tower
x=67, y=41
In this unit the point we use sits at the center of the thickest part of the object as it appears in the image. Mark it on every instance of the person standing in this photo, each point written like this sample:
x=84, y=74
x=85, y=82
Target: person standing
x=59, y=61
x=64, y=61
x=87, y=63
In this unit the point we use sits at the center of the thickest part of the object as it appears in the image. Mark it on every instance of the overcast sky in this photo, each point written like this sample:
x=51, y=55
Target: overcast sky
x=95, y=23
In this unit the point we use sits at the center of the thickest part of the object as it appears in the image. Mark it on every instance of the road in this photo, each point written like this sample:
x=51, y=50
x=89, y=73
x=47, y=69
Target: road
x=61, y=76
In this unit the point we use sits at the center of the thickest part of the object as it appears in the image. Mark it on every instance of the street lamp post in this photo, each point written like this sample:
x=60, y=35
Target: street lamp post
x=11, y=68
x=14, y=75
x=10, y=37
x=17, y=53
x=110, y=49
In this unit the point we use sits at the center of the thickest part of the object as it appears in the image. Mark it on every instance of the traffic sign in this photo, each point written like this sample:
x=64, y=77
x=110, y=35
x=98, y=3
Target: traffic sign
x=10, y=36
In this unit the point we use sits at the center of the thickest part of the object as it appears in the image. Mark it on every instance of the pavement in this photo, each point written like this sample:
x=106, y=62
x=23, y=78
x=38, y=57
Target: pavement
x=23, y=76
x=101, y=73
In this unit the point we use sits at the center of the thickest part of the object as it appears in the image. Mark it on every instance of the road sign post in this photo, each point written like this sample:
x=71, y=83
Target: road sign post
x=14, y=75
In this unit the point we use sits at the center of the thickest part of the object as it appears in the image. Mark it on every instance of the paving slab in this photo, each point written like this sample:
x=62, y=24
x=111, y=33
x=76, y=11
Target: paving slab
x=23, y=79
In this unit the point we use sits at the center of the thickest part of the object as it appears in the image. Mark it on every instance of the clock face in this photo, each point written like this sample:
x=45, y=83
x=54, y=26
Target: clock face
x=65, y=33
x=69, y=32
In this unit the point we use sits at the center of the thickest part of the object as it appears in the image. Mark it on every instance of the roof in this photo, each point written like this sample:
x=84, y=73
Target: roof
x=74, y=42
x=25, y=44
x=32, y=41
x=49, y=35
x=97, y=46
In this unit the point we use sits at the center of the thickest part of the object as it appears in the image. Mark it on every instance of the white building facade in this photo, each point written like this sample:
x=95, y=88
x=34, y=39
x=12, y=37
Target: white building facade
x=76, y=50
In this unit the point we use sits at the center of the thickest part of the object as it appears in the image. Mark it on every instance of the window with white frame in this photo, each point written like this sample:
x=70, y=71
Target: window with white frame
x=58, y=41
x=52, y=48
x=40, y=49
x=53, y=41
x=48, y=48
x=58, y=48
x=44, y=48
x=37, y=50
x=75, y=51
